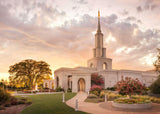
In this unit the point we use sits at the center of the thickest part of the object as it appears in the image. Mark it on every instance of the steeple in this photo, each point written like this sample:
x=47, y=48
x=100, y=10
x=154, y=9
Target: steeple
x=99, y=50
x=99, y=60
x=99, y=27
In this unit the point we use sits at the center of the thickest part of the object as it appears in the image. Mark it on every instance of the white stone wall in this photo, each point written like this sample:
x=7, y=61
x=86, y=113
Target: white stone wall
x=63, y=79
x=110, y=77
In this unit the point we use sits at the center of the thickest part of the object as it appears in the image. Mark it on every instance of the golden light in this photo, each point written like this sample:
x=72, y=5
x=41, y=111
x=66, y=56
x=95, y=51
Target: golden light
x=135, y=32
x=148, y=60
x=110, y=38
x=4, y=76
x=93, y=32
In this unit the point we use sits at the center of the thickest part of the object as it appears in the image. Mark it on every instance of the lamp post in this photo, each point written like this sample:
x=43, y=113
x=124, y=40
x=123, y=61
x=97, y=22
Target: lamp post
x=63, y=97
x=76, y=107
x=105, y=98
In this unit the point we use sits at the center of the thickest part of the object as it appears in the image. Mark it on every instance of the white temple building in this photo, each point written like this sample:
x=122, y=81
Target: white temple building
x=79, y=78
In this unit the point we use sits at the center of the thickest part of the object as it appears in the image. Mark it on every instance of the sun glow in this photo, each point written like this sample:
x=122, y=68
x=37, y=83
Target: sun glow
x=135, y=32
x=93, y=32
x=148, y=60
x=110, y=38
x=4, y=76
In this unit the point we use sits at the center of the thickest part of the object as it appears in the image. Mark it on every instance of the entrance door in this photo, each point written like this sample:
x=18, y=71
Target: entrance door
x=81, y=85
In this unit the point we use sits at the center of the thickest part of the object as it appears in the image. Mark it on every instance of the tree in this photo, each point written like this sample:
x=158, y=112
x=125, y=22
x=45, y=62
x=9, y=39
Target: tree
x=155, y=86
x=157, y=63
x=129, y=86
x=29, y=72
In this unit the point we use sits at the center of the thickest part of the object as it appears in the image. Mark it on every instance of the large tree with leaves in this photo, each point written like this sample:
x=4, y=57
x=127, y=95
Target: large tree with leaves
x=157, y=62
x=29, y=72
x=155, y=86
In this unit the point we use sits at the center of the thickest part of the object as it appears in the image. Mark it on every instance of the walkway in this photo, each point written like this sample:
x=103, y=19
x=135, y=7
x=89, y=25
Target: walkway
x=106, y=108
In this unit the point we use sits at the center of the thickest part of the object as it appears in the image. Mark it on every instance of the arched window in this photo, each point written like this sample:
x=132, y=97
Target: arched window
x=57, y=81
x=46, y=85
x=104, y=66
x=91, y=65
x=69, y=81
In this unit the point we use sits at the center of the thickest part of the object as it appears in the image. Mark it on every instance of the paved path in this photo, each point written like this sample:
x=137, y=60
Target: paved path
x=106, y=108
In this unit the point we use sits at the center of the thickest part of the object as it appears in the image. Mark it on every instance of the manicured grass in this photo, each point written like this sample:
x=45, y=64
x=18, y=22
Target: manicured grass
x=50, y=104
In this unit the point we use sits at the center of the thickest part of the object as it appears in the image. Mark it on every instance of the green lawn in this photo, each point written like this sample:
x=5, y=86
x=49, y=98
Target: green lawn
x=50, y=104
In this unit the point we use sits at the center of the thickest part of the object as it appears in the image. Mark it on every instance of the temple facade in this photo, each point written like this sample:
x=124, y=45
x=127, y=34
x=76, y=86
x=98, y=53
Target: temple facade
x=79, y=78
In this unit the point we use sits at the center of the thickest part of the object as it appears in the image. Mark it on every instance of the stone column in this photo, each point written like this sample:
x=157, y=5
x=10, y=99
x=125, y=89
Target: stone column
x=88, y=82
x=74, y=84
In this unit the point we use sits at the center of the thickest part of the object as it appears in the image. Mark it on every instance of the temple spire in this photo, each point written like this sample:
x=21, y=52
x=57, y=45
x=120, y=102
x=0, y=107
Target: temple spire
x=99, y=27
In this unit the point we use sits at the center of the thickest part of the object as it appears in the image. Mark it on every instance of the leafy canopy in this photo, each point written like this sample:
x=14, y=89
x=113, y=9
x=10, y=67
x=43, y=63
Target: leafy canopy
x=155, y=86
x=29, y=72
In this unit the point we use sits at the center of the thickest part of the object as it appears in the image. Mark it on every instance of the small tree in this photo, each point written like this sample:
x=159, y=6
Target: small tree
x=96, y=79
x=130, y=86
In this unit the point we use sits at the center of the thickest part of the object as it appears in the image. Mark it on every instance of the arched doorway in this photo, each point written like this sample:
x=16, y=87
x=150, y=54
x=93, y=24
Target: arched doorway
x=81, y=85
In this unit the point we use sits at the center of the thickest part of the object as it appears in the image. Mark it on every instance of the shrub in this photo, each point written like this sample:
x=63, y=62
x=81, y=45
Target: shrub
x=7, y=104
x=91, y=96
x=23, y=99
x=69, y=90
x=29, y=102
x=13, y=98
x=155, y=100
x=96, y=79
x=21, y=102
x=95, y=89
x=15, y=102
x=29, y=91
x=155, y=86
x=59, y=89
x=4, y=95
x=111, y=88
x=129, y=86
x=110, y=95
x=2, y=108
x=95, y=93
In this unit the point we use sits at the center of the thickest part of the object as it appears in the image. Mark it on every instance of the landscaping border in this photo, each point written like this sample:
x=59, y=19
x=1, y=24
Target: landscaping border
x=132, y=106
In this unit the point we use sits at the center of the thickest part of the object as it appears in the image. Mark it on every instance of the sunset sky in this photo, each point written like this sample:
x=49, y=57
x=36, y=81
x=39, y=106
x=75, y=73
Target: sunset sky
x=61, y=32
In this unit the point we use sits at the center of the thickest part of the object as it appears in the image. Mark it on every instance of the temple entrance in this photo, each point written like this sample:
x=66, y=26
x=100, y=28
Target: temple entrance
x=81, y=85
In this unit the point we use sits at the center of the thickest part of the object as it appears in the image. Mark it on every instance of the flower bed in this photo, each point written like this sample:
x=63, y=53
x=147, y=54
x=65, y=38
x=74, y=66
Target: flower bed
x=96, y=89
x=132, y=106
x=132, y=103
